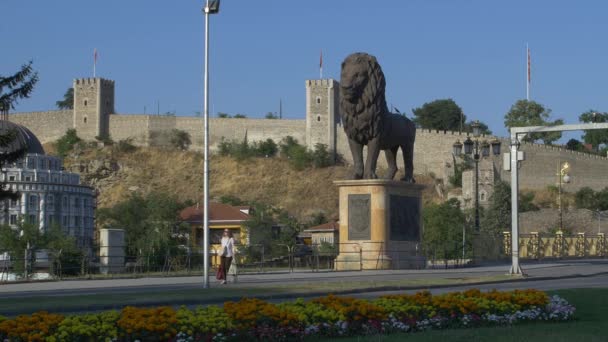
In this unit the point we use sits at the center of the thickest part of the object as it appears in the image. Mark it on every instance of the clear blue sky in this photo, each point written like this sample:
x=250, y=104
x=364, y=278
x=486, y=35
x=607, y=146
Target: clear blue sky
x=261, y=51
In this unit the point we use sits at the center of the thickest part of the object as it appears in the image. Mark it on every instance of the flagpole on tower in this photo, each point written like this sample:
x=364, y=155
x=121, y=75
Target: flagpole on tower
x=528, y=73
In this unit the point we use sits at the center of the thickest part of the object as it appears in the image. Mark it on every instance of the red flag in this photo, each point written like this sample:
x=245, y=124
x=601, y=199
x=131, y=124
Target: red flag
x=95, y=56
x=529, y=66
x=321, y=60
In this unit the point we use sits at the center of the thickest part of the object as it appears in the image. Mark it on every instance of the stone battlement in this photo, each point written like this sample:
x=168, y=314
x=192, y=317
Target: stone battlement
x=322, y=83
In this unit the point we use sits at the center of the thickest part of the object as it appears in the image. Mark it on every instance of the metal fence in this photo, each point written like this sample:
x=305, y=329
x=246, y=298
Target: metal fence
x=559, y=245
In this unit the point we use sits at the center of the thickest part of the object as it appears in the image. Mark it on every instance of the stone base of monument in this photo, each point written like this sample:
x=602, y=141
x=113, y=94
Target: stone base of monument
x=380, y=225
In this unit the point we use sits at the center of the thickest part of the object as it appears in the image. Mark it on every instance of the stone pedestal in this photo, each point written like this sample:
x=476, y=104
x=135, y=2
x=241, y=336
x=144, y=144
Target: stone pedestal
x=380, y=225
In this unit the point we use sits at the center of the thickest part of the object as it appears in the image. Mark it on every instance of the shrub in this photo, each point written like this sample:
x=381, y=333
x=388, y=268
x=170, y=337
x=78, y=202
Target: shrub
x=179, y=139
x=66, y=143
x=126, y=146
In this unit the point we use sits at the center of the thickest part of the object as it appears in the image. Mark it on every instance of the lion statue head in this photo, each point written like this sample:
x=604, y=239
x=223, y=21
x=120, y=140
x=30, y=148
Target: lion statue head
x=362, y=101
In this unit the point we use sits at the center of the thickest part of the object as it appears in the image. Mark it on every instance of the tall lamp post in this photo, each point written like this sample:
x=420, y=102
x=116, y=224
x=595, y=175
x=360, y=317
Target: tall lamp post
x=479, y=150
x=563, y=177
x=211, y=7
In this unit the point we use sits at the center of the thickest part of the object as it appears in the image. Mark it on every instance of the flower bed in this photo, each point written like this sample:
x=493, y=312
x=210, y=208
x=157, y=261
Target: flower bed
x=252, y=319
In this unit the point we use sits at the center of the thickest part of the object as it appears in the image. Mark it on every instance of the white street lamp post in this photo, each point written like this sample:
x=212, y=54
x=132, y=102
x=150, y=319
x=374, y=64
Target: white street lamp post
x=211, y=7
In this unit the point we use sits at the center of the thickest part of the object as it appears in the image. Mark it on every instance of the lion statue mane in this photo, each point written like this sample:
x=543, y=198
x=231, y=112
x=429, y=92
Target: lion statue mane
x=367, y=120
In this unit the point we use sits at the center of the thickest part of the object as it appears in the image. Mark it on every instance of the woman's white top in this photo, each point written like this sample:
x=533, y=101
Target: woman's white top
x=228, y=245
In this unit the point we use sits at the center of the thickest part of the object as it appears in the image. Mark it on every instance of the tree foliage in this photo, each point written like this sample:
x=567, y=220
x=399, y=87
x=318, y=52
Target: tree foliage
x=13, y=88
x=180, y=139
x=68, y=100
x=442, y=114
x=17, y=86
x=66, y=143
x=587, y=198
x=595, y=137
x=574, y=145
x=27, y=238
x=148, y=222
x=497, y=218
x=531, y=113
x=271, y=116
x=442, y=230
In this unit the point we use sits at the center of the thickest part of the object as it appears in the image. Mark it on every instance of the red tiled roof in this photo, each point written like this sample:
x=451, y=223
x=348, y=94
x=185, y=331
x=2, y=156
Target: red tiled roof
x=218, y=212
x=329, y=226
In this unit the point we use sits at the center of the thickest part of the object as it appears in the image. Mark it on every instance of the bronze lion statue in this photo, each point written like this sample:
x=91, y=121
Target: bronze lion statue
x=367, y=121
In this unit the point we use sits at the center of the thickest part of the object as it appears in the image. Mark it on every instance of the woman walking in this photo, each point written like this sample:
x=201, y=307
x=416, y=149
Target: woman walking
x=226, y=254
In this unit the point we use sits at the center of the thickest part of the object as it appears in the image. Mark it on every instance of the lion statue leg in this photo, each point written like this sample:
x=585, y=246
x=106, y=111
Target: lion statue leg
x=373, y=151
x=391, y=161
x=356, y=150
x=408, y=161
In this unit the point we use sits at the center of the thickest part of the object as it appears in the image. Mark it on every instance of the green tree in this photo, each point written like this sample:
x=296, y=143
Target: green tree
x=483, y=127
x=271, y=116
x=442, y=230
x=497, y=218
x=223, y=115
x=320, y=156
x=531, y=113
x=240, y=116
x=13, y=88
x=17, y=86
x=66, y=143
x=266, y=148
x=148, y=222
x=180, y=139
x=443, y=114
x=574, y=145
x=586, y=198
x=68, y=100
x=595, y=137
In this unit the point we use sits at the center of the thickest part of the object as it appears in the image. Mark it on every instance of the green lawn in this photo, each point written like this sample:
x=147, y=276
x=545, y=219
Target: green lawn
x=591, y=325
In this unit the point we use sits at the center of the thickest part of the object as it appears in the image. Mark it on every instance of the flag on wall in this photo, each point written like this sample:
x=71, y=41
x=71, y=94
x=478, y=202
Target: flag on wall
x=94, y=61
x=321, y=65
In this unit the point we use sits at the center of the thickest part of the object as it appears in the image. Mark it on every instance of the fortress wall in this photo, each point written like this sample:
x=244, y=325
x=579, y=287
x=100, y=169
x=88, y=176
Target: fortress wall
x=130, y=126
x=256, y=130
x=47, y=126
x=540, y=168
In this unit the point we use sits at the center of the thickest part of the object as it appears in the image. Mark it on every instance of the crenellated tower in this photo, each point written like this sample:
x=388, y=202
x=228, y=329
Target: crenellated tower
x=93, y=104
x=322, y=113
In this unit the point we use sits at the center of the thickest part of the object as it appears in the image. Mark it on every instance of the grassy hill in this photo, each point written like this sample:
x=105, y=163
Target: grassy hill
x=270, y=180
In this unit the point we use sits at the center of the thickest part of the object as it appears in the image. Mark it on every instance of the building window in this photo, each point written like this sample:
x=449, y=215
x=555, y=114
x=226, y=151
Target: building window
x=30, y=163
x=85, y=119
x=51, y=202
x=76, y=202
x=65, y=202
x=318, y=100
x=13, y=219
x=65, y=221
x=14, y=203
x=33, y=202
x=28, y=178
x=33, y=219
x=318, y=118
x=11, y=178
x=86, y=102
x=85, y=202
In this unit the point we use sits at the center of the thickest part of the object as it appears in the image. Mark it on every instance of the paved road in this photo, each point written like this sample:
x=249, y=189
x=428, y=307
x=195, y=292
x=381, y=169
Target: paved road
x=583, y=273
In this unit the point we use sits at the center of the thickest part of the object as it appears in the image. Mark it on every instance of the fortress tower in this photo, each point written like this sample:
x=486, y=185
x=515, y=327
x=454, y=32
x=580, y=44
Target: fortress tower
x=322, y=113
x=93, y=104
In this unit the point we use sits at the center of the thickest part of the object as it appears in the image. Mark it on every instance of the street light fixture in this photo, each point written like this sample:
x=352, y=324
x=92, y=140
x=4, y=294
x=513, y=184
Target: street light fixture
x=211, y=7
x=565, y=178
x=478, y=150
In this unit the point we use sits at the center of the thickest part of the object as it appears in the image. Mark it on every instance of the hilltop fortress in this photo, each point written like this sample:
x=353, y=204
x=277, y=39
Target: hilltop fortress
x=94, y=116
